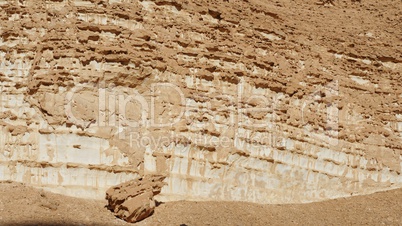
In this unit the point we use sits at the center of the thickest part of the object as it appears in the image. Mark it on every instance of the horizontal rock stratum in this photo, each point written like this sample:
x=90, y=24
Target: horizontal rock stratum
x=267, y=102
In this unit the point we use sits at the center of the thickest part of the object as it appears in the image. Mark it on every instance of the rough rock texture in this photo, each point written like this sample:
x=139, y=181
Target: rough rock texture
x=268, y=102
x=134, y=200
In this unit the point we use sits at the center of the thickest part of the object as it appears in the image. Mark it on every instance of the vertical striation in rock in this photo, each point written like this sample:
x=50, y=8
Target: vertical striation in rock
x=267, y=102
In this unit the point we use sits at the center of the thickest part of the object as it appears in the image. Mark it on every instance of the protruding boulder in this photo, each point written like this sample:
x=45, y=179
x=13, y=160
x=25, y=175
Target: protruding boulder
x=134, y=200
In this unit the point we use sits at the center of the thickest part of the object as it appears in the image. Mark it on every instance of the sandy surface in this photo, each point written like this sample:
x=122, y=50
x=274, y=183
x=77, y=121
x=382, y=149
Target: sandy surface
x=23, y=205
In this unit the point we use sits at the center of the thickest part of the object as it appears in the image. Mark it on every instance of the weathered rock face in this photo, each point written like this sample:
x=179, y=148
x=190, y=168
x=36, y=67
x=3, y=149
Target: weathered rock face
x=279, y=102
x=134, y=200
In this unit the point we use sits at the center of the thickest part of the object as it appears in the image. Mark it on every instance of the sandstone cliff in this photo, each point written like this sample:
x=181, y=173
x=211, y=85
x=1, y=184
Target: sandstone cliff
x=268, y=102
